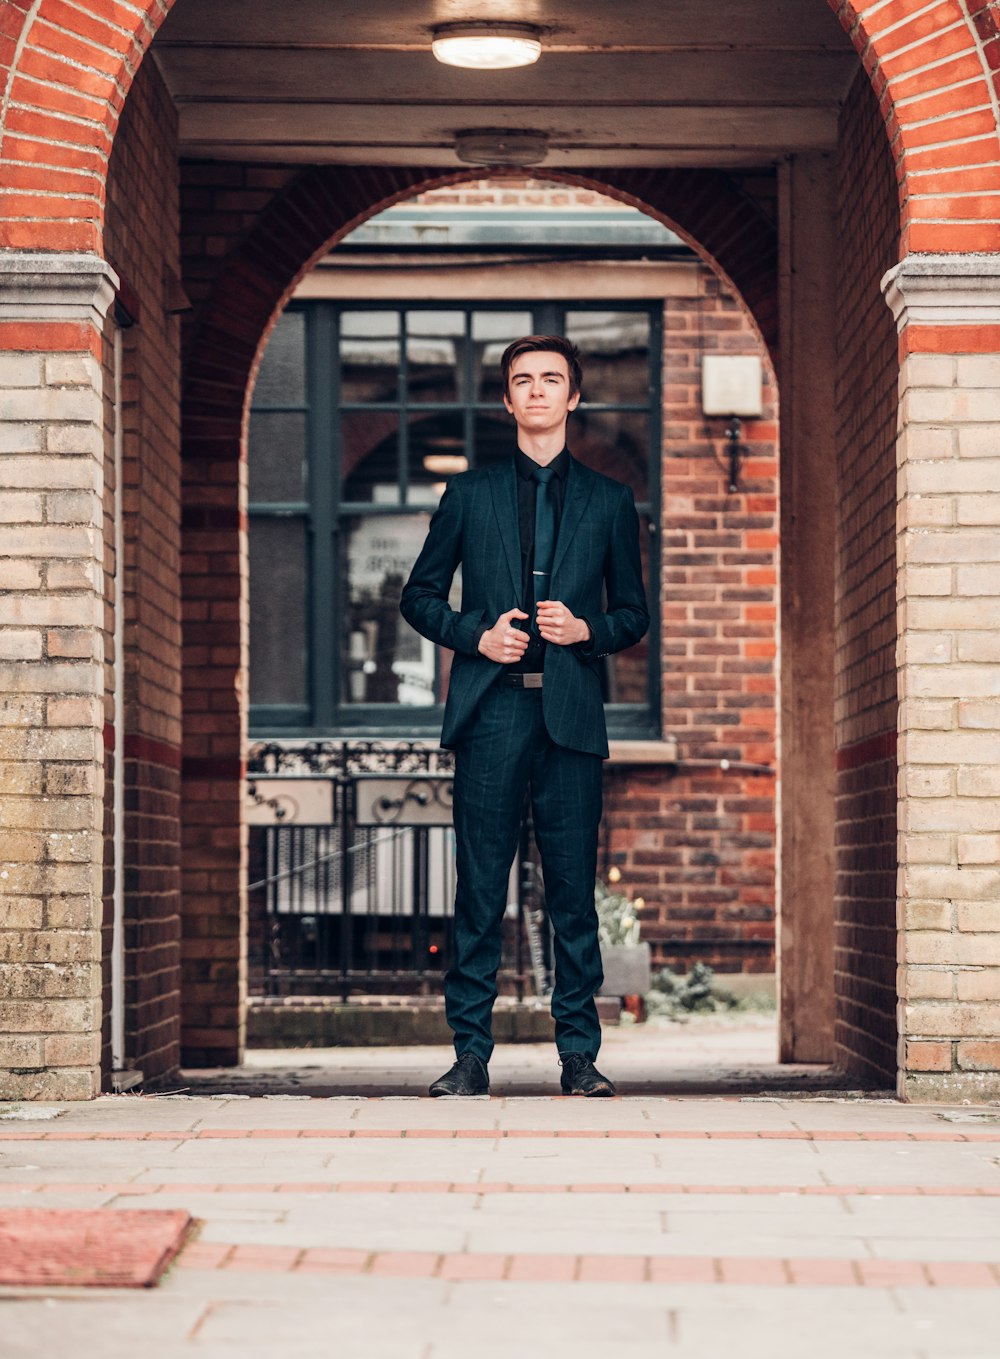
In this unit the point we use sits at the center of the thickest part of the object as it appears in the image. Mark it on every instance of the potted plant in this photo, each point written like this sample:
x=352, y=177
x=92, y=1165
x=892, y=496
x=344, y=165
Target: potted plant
x=625, y=959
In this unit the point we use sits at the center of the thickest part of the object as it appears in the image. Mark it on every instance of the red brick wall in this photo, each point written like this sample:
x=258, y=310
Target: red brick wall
x=142, y=242
x=699, y=844
x=865, y=713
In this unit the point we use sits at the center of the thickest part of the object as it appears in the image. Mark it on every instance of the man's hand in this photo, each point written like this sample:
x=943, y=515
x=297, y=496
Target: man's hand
x=503, y=642
x=559, y=626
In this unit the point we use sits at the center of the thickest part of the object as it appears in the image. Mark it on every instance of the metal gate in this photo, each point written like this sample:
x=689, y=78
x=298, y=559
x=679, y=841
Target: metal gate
x=352, y=874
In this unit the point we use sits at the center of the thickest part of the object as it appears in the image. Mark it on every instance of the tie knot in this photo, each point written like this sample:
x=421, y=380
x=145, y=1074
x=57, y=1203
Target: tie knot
x=543, y=475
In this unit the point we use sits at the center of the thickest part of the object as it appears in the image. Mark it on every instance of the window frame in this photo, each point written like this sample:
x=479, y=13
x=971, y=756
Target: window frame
x=326, y=715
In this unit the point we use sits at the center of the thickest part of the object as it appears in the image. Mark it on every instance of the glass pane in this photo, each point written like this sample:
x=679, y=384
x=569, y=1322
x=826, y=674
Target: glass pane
x=278, y=603
x=370, y=456
x=369, y=356
x=383, y=660
x=614, y=347
x=277, y=456
x=282, y=377
x=434, y=351
x=615, y=443
x=436, y=452
x=496, y=438
x=492, y=332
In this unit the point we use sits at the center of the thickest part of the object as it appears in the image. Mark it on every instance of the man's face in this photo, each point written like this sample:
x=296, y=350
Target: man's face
x=538, y=395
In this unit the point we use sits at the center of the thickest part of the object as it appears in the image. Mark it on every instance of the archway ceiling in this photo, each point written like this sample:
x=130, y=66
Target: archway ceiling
x=638, y=82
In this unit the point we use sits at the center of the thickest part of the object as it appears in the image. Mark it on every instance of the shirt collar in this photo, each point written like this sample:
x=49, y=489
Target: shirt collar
x=524, y=464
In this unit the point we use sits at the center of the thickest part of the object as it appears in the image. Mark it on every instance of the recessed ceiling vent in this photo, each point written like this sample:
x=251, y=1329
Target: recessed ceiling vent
x=497, y=146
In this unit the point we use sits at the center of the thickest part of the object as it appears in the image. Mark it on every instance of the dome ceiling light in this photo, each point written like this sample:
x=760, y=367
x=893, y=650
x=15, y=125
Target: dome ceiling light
x=498, y=146
x=487, y=46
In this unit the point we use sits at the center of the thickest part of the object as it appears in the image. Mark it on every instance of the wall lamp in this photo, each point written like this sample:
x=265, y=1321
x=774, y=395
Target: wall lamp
x=486, y=46
x=731, y=386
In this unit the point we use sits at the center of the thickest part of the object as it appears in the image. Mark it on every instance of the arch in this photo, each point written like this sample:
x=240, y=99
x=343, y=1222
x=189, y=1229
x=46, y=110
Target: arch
x=67, y=71
x=317, y=208
x=325, y=203
x=934, y=73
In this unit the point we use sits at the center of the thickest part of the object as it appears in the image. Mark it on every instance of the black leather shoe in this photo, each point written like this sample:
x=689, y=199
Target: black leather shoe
x=468, y=1076
x=581, y=1077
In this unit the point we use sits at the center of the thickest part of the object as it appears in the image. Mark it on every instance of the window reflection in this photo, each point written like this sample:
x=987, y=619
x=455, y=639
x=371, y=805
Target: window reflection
x=614, y=347
x=437, y=452
x=279, y=592
x=369, y=452
x=383, y=660
x=435, y=349
x=496, y=438
x=281, y=380
x=278, y=464
x=369, y=355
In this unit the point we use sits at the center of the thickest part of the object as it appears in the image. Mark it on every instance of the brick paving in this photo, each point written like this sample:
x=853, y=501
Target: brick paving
x=62, y=1247
x=418, y=1229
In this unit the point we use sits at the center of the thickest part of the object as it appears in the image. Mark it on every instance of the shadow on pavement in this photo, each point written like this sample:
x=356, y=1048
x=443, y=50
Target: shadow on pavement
x=711, y=1057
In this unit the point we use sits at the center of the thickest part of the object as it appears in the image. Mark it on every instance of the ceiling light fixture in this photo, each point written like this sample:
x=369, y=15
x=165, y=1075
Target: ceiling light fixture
x=499, y=146
x=486, y=46
x=445, y=464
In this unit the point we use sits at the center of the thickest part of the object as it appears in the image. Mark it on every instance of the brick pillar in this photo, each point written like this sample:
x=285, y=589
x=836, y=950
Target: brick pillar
x=52, y=310
x=948, y=313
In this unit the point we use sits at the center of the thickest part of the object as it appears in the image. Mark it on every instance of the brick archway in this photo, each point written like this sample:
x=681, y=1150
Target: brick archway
x=317, y=208
x=66, y=70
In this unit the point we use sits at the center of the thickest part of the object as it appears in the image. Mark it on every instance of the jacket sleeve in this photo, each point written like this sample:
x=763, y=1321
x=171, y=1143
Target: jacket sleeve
x=627, y=616
x=424, y=602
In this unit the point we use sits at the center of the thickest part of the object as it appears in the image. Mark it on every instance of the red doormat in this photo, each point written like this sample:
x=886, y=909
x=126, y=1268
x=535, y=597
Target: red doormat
x=103, y=1248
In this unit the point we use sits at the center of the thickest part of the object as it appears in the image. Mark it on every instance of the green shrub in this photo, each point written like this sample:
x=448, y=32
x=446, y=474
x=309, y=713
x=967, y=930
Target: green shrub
x=673, y=994
x=617, y=916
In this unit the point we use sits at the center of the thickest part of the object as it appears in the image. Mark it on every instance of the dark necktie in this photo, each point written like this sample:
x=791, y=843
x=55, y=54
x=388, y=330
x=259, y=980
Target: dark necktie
x=545, y=532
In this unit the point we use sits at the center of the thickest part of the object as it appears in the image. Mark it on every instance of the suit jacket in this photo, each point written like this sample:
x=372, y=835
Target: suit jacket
x=598, y=545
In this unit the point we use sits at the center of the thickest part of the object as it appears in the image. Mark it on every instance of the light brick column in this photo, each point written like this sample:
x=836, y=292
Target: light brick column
x=948, y=534
x=52, y=310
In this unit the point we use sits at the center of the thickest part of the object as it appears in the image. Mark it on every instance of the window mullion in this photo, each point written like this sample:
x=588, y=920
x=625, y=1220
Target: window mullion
x=403, y=441
x=322, y=386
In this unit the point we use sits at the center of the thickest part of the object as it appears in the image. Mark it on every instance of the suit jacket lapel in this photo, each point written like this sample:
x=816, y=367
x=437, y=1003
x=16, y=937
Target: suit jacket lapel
x=503, y=485
x=578, y=490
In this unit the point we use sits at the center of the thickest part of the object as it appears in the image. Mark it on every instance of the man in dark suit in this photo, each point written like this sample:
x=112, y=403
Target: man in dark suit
x=539, y=539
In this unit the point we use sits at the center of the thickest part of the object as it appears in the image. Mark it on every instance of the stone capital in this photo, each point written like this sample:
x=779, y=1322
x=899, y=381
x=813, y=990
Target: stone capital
x=944, y=290
x=55, y=287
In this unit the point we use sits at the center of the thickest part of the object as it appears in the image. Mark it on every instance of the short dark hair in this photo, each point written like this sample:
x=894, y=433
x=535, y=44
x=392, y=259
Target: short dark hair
x=543, y=344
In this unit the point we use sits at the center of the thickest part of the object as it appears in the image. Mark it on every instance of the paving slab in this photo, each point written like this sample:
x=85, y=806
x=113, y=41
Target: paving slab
x=815, y=1222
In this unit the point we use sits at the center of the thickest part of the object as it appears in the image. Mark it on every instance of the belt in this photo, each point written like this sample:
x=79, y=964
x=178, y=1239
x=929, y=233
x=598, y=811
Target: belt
x=527, y=679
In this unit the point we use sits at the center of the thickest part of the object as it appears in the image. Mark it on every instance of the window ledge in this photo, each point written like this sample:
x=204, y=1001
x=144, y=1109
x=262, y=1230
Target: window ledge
x=643, y=752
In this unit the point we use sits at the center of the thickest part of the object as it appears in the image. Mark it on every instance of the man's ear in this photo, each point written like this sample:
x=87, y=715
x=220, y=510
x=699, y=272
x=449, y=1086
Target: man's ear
x=573, y=402
x=506, y=402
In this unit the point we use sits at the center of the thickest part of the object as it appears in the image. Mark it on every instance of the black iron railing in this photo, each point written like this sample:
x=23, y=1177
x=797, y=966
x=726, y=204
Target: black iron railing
x=358, y=897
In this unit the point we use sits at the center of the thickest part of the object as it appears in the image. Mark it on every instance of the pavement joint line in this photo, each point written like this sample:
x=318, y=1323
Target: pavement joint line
x=530, y=1267
x=147, y=1188
x=450, y=1134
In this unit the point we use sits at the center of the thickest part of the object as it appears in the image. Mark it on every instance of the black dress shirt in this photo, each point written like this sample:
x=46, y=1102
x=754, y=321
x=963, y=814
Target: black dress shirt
x=527, y=490
x=533, y=659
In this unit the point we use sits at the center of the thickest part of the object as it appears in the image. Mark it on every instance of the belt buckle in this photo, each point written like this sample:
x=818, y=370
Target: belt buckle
x=533, y=680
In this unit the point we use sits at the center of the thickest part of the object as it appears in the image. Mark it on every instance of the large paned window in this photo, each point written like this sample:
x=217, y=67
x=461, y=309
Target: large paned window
x=360, y=416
